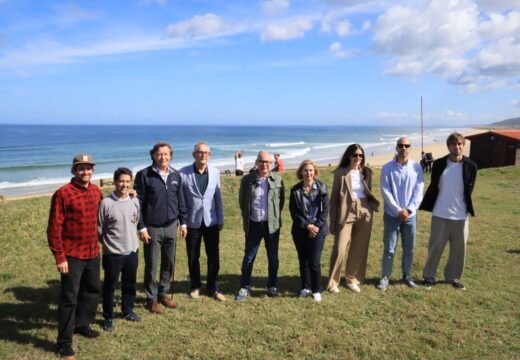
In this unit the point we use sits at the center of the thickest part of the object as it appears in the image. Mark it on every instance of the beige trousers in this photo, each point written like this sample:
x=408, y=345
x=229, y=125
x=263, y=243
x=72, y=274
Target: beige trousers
x=354, y=237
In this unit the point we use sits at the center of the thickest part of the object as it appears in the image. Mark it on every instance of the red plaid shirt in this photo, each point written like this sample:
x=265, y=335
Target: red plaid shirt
x=72, y=228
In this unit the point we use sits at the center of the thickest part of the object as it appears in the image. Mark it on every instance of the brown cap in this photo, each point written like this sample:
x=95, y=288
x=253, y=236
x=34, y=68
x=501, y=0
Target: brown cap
x=82, y=159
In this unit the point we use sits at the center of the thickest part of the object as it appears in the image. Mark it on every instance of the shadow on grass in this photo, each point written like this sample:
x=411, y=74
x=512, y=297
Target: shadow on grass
x=19, y=320
x=515, y=251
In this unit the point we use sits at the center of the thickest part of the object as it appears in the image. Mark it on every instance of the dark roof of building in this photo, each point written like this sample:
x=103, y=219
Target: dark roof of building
x=511, y=134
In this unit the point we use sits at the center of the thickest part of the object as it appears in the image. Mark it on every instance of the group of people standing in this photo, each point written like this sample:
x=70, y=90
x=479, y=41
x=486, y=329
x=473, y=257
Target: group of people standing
x=164, y=200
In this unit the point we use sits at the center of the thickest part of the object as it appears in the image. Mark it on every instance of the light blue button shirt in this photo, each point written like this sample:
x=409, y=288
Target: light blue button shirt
x=259, y=200
x=402, y=187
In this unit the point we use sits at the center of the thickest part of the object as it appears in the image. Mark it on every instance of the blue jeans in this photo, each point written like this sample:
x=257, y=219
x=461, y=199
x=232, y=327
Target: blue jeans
x=126, y=265
x=394, y=227
x=256, y=232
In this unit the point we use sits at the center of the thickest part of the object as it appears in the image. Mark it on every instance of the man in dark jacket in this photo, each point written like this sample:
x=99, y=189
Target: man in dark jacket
x=449, y=199
x=162, y=207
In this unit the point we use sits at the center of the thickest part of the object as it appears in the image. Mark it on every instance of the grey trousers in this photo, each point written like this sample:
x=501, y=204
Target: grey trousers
x=163, y=242
x=442, y=231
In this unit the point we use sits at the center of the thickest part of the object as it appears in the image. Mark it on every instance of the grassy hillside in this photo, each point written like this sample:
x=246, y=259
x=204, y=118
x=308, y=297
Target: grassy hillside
x=482, y=322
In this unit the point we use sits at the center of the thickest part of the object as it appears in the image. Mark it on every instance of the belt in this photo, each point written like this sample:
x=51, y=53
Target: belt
x=260, y=222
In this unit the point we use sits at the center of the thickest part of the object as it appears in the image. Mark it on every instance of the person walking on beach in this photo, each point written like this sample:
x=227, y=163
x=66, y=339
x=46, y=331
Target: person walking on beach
x=309, y=206
x=117, y=228
x=73, y=240
x=162, y=204
x=261, y=198
x=201, y=188
x=402, y=184
x=448, y=197
x=239, y=163
x=278, y=163
x=351, y=206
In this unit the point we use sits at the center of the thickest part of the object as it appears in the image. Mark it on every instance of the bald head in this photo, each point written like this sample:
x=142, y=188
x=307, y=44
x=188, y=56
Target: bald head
x=263, y=163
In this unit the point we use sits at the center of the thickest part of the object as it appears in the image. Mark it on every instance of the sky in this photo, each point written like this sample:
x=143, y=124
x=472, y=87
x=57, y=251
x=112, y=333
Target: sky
x=254, y=62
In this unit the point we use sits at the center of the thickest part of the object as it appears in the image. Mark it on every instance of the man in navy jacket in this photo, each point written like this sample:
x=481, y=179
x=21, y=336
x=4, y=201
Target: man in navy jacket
x=159, y=190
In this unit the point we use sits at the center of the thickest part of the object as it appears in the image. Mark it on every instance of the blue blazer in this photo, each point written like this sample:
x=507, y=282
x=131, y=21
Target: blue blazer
x=207, y=207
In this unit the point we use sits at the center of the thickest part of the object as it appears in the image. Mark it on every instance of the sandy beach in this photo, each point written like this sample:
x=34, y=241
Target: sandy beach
x=437, y=149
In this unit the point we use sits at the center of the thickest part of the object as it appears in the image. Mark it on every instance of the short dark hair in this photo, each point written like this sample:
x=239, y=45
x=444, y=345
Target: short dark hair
x=455, y=137
x=122, y=171
x=160, y=145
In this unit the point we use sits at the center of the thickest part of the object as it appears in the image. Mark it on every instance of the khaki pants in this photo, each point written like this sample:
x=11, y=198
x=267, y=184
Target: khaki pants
x=354, y=236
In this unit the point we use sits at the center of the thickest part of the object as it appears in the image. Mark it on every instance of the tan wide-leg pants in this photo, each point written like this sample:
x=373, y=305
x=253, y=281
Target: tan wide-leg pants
x=354, y=237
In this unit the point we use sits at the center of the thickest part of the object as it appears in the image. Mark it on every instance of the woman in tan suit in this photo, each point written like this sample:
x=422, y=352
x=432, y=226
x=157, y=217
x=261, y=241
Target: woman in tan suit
x=351, y=206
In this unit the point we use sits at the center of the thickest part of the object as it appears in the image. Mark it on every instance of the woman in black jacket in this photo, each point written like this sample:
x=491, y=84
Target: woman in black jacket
x=309, y=206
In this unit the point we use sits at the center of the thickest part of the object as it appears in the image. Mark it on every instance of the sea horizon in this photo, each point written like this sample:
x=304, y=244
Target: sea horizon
x=36, y=159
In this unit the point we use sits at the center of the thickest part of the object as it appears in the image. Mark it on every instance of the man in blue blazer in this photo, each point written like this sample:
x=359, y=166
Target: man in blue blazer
x=201, y=187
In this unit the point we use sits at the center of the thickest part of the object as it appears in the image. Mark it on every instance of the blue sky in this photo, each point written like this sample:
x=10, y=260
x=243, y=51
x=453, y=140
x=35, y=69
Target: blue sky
x=271, y=62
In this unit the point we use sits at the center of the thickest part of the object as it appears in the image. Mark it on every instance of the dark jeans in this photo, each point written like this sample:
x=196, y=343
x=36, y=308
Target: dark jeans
x=309, y=255
x=256, y=232
x=211, y=237
x=163, y=243
x=79, y=297
x=126, y=265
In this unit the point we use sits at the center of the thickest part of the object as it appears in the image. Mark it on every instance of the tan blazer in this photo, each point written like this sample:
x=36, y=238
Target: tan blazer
x=341, y=197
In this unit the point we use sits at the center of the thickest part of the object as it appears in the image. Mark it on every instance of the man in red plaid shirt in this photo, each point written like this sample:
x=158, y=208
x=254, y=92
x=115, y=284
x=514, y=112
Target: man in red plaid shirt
x=73, y=240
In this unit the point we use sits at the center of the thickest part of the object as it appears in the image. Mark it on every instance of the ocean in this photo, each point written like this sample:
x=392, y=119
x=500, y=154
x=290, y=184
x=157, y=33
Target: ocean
x=36, y=159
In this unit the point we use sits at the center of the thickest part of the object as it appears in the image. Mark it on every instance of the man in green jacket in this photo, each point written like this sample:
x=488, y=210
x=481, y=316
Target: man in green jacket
x=261, y=200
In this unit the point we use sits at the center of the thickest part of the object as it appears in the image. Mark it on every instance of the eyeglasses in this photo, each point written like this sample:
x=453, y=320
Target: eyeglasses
x=357, y=155
x=202, y=152
x=400, y=146
x=264, y=161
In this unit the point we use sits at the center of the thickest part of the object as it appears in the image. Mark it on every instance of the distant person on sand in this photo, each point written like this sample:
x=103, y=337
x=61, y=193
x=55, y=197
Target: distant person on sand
x=201, y=187
x=402, y=184
x=73, y=240
x=239, y=163
x=278, y=163
x=351, y=206
x=309, y=206
x=162, y=209
x=261, y=199
x=448, y=197
x=117, y=228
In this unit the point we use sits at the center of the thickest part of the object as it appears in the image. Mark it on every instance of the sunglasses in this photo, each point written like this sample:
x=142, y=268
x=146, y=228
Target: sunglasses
x=400, y=146
x=357, y=155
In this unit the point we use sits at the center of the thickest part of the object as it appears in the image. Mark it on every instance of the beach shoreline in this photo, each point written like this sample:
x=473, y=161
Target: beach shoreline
x=376, y=160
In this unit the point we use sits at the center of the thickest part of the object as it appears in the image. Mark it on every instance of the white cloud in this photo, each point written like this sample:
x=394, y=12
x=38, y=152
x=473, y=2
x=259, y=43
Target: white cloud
x=367, y=25
x=515, y=103
x=294, y=29
x=343, y=28
x=338, y=50
x=499, y=5
x=499, y=26
x=198, y=26
x=475, y=87
x=451, y=39
x=275, y=7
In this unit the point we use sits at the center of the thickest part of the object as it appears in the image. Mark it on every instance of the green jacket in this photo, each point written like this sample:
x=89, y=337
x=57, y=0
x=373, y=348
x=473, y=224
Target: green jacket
x=275, y=198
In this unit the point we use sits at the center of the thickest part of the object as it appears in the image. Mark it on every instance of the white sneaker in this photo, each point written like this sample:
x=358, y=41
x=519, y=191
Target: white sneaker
x=334, y=290
x=316, y=297
x=195, y=294
x=305, y=292
x=354, y=287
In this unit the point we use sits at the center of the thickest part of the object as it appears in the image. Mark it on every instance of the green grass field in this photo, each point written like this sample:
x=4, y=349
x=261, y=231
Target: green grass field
x=482, y=322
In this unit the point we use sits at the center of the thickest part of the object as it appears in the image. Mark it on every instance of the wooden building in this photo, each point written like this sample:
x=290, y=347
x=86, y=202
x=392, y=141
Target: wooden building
x=495, y=148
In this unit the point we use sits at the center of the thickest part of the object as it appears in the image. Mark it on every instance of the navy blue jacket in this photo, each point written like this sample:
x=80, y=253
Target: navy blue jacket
x=469, y=175
x=161, y=203
x=297, y=209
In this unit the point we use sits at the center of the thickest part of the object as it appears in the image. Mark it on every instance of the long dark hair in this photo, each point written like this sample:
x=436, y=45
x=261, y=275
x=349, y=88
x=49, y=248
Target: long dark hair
x=345, y=159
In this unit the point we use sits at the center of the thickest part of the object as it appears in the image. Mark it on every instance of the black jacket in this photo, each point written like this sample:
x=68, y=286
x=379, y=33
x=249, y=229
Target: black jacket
x=297, y=209
x=469, y=175
x=161, y=203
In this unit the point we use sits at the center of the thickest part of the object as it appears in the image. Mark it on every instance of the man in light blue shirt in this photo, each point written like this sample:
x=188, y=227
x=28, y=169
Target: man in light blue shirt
x=402, y=184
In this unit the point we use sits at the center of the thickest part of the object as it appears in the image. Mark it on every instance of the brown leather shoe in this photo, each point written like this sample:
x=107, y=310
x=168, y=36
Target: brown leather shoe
x=156, y=308
x=168, y=302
